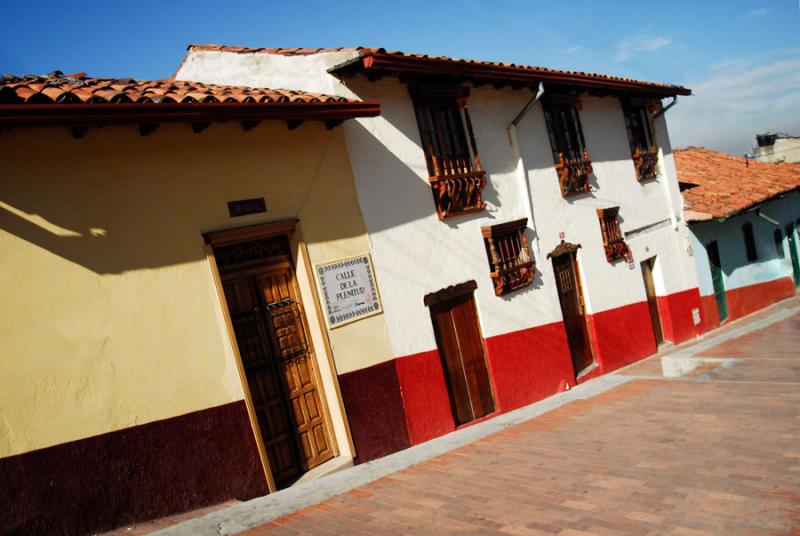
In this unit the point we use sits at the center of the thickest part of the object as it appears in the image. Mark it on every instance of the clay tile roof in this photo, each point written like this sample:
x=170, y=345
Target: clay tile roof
x=58, y=88
x=720, y=185
x=382, y=59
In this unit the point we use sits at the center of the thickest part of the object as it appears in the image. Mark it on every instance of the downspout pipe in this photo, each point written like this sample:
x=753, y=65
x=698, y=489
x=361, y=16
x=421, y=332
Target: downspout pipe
x=664, y=109
x=522, y=174
x=674, y=218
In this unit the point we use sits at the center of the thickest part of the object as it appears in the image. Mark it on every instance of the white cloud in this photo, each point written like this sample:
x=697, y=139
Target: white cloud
x=741, y=98
x=629, y=47
x=575, y=49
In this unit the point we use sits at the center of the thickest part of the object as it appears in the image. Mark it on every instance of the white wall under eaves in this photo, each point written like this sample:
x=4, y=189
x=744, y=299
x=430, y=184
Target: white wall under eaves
x=258, y=69
x=415, y=253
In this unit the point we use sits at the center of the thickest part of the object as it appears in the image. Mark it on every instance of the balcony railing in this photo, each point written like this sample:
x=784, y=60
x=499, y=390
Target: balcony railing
x=457, y=187
x=617, y=249
x=573, y=174
x=513, y=277
x=646, y=163
x=512, y=266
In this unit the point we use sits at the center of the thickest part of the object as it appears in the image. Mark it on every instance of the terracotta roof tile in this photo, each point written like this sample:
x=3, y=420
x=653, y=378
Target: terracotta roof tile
x=366, y=52
x=57, y=88
x=722, y=185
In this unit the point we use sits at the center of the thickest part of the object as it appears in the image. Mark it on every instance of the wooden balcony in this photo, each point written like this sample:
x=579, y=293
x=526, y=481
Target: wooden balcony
x=513, y=277
x=646, y=162
x=573, y=174
x=617, y=249
x=458, y=190
x=509, y=257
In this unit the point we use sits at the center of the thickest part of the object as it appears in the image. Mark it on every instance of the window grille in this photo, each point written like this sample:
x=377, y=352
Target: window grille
x=510, y=261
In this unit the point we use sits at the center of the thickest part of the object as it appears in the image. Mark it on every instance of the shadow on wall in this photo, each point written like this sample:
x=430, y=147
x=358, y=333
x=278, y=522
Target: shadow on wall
x=115, y=201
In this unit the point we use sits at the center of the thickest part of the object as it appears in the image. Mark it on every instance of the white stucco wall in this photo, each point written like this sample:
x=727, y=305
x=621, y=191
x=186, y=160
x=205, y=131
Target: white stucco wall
x=737, y=270
x=415, y=253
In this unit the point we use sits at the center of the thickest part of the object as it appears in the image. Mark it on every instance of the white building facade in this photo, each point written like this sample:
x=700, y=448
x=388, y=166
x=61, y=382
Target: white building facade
x=525, y=227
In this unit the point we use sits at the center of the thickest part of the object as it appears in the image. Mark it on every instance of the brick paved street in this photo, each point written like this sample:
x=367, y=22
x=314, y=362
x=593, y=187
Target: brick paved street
x=716, y=451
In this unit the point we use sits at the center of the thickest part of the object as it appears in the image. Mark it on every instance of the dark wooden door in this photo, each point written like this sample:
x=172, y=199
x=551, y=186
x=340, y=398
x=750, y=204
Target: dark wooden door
x=458, y=336
x=270, y=329
x=652, y=301
x=571, y=299
x=717, y=280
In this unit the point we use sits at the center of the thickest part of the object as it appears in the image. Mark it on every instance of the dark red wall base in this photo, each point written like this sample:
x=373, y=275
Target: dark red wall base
x=132, y=475
x=745, y=300
x=374, y=409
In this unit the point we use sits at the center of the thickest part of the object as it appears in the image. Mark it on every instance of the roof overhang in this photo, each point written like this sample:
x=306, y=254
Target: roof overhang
x=85, y=115
x=692, y=216
x=377, y=64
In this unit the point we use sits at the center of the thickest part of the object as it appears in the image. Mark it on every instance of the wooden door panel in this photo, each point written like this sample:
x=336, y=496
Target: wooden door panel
x=460, y=344
x=569, y=296
x=475, y=369
x=269, y=326
x=652, y=300
x=447, y=341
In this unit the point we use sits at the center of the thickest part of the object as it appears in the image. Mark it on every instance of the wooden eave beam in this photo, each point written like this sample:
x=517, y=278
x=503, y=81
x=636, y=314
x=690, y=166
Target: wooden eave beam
x=427, y=67
x=85, y=115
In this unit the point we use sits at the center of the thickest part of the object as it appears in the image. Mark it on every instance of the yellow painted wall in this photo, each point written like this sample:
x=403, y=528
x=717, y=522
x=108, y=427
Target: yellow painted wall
x=109, y=316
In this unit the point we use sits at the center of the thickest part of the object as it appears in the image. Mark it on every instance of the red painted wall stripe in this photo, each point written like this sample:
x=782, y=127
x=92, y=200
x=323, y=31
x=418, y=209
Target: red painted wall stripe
x=621, y=336
x=425, y=399
x=676, y=315
x=529, y=365
x=709, y=313
x=745, y=300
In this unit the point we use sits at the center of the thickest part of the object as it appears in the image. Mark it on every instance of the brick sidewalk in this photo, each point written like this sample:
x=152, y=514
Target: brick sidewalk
x=704, y=454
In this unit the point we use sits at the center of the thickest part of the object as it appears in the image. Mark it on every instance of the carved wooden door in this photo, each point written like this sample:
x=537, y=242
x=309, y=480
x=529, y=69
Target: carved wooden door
x=652, y=301
x=270, y=330
x=458, y=337
x=572, y=308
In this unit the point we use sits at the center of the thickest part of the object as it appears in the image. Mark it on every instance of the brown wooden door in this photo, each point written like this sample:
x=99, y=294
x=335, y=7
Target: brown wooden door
x=652, y=301
x=458, y=336
x=571, y=299
x=270, y=330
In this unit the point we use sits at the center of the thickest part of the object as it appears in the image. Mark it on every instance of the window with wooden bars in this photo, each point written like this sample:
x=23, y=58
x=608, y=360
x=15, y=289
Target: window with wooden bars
x=451, y=154
x=510, y=260
x=613, y=241
x=641, y=136
x=567, y=143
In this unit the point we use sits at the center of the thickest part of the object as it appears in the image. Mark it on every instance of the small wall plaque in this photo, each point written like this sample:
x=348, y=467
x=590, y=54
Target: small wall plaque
x=348, y=290
x=243, y=207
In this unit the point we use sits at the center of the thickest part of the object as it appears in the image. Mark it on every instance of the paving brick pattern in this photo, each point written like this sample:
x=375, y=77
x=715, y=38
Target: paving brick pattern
x=708, y=454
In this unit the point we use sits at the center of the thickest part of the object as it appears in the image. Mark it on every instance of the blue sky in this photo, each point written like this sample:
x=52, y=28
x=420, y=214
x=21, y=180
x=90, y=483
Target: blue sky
x=741, y=57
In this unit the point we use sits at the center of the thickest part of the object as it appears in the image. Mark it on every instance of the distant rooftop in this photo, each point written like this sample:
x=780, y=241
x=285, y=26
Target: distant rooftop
x=717, y=185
